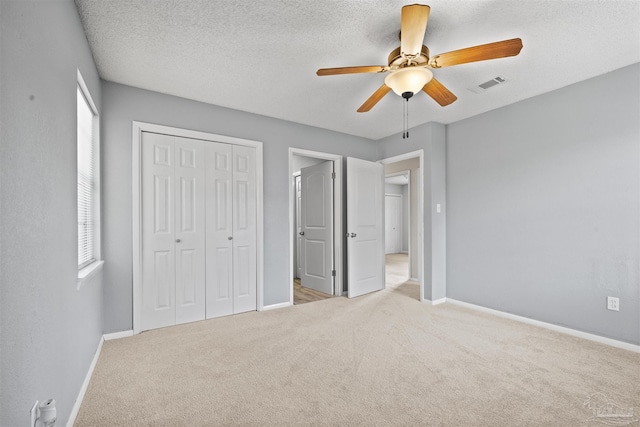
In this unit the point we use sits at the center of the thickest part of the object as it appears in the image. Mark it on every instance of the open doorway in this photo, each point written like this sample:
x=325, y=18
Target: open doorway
x=315, y=188
x=403, y=235
x=397, y=205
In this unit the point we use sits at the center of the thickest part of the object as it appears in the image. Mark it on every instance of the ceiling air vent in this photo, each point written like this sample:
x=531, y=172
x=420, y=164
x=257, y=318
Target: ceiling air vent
x=488, y=84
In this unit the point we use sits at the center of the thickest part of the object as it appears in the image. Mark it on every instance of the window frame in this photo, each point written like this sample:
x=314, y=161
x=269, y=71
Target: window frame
x=91, y=267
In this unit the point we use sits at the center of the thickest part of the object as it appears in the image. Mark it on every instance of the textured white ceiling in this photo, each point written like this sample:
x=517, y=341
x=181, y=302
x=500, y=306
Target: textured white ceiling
x=261, y=56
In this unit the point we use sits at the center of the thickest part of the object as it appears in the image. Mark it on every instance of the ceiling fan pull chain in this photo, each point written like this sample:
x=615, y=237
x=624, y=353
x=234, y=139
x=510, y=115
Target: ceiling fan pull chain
x=407, y=122
x=405, y=119
x=404, y=115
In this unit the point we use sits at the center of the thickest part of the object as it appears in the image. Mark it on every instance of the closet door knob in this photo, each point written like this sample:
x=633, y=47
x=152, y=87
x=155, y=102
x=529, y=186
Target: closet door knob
x=178, y=240
x=301, y=233
x=230, y=238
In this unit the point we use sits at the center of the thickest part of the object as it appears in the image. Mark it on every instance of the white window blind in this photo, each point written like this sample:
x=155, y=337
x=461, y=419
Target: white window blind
x=87, y=189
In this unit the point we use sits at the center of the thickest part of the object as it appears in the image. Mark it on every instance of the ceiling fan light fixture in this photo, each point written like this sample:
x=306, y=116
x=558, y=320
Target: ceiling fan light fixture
x=408, y=79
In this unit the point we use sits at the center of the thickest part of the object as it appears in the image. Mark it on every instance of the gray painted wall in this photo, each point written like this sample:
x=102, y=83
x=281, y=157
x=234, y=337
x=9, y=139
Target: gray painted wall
x=392, y=189
x=436, y=160
x=301, y=162
x=429, y=137
x=123, y=104
x=49, y=331
x=543, y=206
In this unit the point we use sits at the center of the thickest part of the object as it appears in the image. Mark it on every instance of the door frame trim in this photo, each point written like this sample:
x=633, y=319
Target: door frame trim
x=406, y=156
x=136, y=206
x=295, y=223
x=337, y=212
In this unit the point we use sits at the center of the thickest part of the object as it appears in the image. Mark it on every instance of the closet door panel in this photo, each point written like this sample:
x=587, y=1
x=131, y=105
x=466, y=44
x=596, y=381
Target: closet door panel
x=219, y=235
x=158, y=231
x=189, y=174
x=244, y=228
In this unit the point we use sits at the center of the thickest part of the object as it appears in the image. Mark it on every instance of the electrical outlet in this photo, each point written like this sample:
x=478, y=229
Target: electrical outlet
x=34, y=414
x=613, y=303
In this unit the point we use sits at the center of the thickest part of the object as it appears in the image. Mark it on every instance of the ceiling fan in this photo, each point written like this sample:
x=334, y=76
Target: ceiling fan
x=410, y=64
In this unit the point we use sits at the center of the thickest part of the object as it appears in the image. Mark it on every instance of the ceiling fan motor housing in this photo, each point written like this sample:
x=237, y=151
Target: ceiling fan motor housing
x=396, y=59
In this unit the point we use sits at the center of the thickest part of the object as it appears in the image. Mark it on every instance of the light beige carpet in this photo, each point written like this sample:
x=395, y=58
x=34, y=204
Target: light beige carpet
x=382, y=359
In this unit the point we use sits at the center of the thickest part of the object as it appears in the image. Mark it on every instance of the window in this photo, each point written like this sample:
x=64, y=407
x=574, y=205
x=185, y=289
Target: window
x=88, y=182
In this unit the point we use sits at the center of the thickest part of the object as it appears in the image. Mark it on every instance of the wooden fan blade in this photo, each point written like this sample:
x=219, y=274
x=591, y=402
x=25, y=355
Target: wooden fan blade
x=352, y=70
x=483, y=52
x=373, y=99
x=412, y=28
x=439, y=93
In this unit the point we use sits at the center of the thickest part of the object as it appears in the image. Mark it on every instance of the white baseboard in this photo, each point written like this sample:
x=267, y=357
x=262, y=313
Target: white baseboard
x=436, y=302
x=276, y=306
x=116, y=335
x=585, y=335
x=413, y=279
x=87, y=379
x=85, y=385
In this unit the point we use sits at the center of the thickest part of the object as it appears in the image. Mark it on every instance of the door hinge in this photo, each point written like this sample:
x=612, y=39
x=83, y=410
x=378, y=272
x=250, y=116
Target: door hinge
x=333, y=175
x=333, y=273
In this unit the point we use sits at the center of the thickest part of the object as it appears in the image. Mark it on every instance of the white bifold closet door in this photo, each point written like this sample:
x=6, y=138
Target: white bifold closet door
x=231, y=229
x=173, y=223
x=199, y=213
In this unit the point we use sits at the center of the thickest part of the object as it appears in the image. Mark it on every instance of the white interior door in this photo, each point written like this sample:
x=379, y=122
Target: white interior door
x=219, y=239
x=299, y=260
x=317, y=227
x=393, y=223
x=365, y=226
x=158, y=235
x=231, y=229
x=190, y=227
x=244, y=229
x=172, y=231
